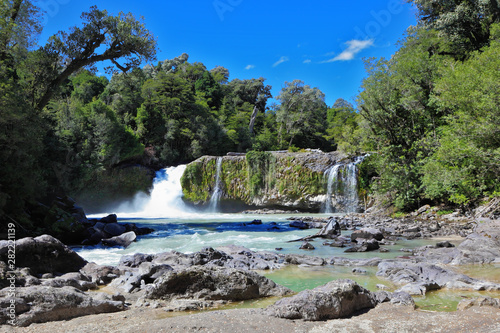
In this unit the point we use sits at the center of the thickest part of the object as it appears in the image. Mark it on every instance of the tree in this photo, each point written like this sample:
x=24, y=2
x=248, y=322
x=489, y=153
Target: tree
x=118, y=39
x=302, y=112
x=466, y=163
x=396, y=102
x=464, y=23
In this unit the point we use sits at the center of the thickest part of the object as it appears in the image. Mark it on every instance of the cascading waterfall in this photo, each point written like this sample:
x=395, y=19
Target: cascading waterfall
x=165, y=200
x=332, y=175
x=214, y=200
x=342, y=185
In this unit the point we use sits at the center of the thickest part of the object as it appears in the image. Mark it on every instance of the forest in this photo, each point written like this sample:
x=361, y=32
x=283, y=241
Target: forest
x=429, y=115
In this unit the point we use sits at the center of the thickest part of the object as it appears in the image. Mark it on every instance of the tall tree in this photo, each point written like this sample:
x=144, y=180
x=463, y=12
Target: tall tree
x=121, y=39
x=464, y=23
x=302, y=111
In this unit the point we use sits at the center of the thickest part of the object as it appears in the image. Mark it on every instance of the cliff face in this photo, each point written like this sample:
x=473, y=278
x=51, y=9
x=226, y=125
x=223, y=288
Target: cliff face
x=266, y=179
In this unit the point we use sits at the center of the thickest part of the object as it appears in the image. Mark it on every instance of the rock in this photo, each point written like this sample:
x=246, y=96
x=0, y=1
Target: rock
x=295, y=259
x=128, y=282
x=431, y=276
x=299, y=225
x=111, y=218
x=75, y=280
x=123, y=240
x=114, y=229
x=367, y=233
x=403, y=299
x=174, y=259
x=256, y=222
x=444, y=244
x=480, y=301
x=214, y=283
x=207, y=255
x=423, y=209
x=336, y=299
x=43, y=254
x=419, y=288
x=359, y=271
x=37, y=304
x=364, y=246
x=306, y=246
x=135, y=260
x=330, y=230
x=99, y=274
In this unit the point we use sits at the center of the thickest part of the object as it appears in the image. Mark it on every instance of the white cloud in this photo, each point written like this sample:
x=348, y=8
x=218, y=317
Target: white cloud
x=307, y=61
x=250, y=67
x=354, y=47
x=282, y=60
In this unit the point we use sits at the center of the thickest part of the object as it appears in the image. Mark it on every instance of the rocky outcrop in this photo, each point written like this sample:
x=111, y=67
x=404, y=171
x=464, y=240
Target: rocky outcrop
x=37, y=304
x=267, y=179
x=214, y=283
x=480, y=301
x=418, y=278
x=43, y=254
x=336, y=299
x=109, y=232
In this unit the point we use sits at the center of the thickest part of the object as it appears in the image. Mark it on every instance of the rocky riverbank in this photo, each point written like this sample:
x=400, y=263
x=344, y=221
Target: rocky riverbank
x=54, y=283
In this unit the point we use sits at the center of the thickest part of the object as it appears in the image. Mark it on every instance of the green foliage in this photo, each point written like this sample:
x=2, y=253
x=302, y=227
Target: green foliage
x=260, y=170
x=466, y=163
x=301, y=115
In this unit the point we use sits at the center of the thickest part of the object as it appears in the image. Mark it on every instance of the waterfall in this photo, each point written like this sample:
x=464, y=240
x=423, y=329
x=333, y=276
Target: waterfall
x=164, y=201
x=214, y=200
x=332, y=175
x=342, y=185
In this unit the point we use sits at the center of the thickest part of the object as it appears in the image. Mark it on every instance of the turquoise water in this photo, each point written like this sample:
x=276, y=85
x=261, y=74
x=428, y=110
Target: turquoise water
x=189, y=235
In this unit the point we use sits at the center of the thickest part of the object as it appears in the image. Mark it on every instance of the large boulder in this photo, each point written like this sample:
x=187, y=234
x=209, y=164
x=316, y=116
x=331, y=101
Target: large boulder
x=214, y=283
x=367, y=233
x=123, y=240
x=423, y=277
x=38, y=304
x=43, y=254
x=336, y=299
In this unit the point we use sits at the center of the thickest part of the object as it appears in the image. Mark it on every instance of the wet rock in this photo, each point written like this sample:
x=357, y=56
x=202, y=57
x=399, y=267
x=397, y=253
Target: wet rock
x=37, y=304
x=330, y=230
x=214, y=283
x=123, y=240
x=364, y=245
x=367, y=233
x=295, y=259
x=111, y=218
x=43, y=254
x=114, y=229
x=336, y=299
x=307, y=246
x=299, y=225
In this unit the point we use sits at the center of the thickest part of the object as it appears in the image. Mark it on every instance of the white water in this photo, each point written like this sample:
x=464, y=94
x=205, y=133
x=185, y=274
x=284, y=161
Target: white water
x=342, y=187
x=165, y=200
x=185, y=229
x=214, y=200
x=332, y=175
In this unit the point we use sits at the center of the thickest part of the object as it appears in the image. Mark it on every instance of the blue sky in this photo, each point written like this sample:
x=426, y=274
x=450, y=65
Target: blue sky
x=321, y=42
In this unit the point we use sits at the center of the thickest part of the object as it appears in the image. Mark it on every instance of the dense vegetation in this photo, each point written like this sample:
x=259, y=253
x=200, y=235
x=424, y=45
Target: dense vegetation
x=431, y=112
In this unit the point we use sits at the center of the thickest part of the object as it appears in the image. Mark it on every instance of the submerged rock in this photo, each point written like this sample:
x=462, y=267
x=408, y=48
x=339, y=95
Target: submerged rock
x=336, y=299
